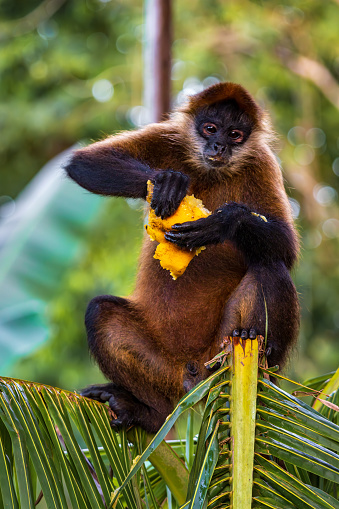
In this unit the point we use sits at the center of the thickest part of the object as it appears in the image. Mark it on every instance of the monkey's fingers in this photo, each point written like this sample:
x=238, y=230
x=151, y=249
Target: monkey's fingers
x=186, y=240
x=189, y=226
x=187, y=235
x=193, y=234
x=191, y=239
x=170, y=187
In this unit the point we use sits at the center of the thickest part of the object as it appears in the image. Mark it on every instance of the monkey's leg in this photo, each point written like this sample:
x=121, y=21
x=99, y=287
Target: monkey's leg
x=265, y=302
x=144, y=384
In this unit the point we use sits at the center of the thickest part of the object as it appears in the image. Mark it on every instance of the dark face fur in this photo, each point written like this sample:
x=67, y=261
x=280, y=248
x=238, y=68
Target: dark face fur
x=223, y=129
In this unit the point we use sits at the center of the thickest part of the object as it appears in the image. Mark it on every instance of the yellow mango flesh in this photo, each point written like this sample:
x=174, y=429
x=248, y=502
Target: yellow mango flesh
x=172, y=257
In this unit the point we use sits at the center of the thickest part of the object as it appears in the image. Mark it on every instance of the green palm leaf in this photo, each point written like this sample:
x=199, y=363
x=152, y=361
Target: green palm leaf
x=61, y=443
x=50, y=427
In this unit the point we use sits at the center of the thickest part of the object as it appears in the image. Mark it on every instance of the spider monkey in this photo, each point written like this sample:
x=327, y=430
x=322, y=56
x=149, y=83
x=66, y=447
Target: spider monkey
x=153, y=346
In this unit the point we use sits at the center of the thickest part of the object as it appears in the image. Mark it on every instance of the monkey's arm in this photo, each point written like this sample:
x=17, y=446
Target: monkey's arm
x=261, y=240
x=103, y=169
x=122, y=164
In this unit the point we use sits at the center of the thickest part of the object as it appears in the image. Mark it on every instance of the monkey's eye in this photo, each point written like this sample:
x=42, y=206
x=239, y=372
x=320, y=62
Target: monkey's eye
x=236, y=135
x=209, y=129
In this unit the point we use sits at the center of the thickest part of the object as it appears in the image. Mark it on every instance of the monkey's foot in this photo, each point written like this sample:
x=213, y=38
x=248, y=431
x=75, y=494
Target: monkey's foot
x=126, y=408
x=121, y=402
x=102, y=393
x=270, y=348
x=219, y=359
x=273, y=353
x=244, y=333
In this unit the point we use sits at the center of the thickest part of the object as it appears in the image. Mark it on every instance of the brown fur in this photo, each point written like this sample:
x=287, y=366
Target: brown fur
x=145, y=344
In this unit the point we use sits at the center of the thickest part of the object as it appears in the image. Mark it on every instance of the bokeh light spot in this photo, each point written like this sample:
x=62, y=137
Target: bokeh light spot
x=192, y=85
x=331, y=228
x=48, y=29
x=324, y=195
x=138, y=116
x=295, y=207
x=124, y=43
x=313, y=239
x=295, y=135
x=102, y=91
x=335, y=166
x=178, y=70
x=209, y=81
x=315, y=137
x=304, y=154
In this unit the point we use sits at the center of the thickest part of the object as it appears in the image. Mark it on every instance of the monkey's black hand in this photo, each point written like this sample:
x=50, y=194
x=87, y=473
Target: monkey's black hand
x=195, y=234
x=170, y=188
x=208, y=230
x=232, y=221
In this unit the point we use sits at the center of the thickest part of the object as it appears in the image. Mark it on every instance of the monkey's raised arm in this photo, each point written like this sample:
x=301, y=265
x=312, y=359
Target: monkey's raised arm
x=122, y=164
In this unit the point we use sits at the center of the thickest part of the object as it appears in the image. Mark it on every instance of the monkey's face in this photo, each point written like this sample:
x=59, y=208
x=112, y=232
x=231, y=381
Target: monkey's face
x=222, y=129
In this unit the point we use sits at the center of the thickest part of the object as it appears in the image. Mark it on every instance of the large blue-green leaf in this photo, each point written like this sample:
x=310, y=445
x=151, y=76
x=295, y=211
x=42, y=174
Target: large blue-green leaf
x=37, y=244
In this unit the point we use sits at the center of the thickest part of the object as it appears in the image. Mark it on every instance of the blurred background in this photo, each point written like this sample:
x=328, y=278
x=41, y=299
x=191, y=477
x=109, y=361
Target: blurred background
x=71, y=71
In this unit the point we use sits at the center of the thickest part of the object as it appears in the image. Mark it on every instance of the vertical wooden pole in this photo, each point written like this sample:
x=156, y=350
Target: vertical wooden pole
x=157, y=58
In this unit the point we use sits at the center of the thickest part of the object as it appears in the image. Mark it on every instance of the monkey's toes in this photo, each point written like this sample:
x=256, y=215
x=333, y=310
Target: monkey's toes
x=245, y=333
x=96, y=392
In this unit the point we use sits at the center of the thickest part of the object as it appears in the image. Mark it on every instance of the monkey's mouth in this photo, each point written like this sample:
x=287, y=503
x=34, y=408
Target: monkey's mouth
x=215, y=161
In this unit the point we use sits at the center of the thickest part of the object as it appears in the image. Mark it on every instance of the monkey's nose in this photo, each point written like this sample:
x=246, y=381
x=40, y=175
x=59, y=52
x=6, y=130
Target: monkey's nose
x=218, y=148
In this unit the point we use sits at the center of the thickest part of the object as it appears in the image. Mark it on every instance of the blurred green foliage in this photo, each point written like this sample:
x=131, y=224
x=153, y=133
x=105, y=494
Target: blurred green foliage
x=107, y=266
x=77, y=73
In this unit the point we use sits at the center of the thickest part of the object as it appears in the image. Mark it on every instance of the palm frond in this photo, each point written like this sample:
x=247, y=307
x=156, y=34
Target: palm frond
x=258, y=446
x=296, y=450
x=329, y=395
x=52, y=429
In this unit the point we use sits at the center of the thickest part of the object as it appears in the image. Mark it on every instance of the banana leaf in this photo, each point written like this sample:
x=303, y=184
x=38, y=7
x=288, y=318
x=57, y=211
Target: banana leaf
x=37, y=245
